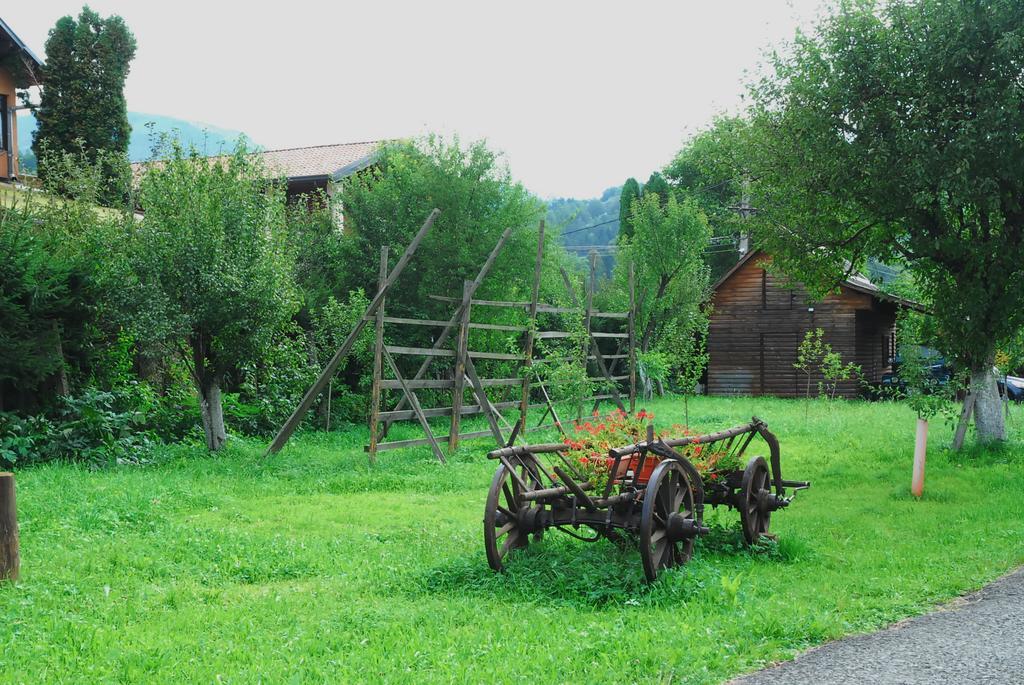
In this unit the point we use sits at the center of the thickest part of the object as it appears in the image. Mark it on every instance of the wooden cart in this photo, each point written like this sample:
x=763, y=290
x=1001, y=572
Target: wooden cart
x=661, y=508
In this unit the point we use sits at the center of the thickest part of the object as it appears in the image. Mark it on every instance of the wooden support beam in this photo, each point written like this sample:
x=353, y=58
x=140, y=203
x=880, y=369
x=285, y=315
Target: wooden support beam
x=489, y=410
x=417, y=409
x=433, y=412
x=551, y=409
x=417, y=442
x=378, y=352
x=461, y=353
x=568, y=286
x=528, y=347
x=328, y=372
x=631, y=326
x=544, y=308
x=442, y=338
x=965, y=421
x=10, y=556
x=435, y=323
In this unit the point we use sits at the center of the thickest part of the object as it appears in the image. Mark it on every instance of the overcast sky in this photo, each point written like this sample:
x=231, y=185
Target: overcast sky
x=578, y=95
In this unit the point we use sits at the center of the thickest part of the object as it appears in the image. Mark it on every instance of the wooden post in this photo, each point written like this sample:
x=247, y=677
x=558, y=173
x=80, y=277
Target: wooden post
x=632, y=339
x=586, y=320
x=378, y=356
x=490, y=413
x=10, y=560
x=328, y=372
x=461, y=350
x=524, y=405
x=920, y=450
x=965, y=420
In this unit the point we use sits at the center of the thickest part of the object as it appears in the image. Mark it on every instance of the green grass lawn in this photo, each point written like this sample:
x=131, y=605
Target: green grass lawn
x=316, y=568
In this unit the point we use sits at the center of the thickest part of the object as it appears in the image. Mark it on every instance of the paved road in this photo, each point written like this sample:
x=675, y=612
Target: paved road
x=978, y=639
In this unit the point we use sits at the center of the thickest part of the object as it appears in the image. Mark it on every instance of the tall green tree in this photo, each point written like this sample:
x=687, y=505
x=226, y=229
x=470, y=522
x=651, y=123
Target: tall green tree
x=710, y=168
x=894, y=131
x=657, y=185
x=478, y=199
x=630, y=192
x=210, y=272
x=82, y=104
x=666, y=251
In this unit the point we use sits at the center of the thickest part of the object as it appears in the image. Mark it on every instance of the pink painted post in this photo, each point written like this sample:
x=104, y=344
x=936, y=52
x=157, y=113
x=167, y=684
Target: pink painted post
x=920, y=449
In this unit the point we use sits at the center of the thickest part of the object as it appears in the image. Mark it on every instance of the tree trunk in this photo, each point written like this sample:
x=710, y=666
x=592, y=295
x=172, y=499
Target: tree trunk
x=213, y=414
x=63, y=388
x=648, y=336
x=989, y=421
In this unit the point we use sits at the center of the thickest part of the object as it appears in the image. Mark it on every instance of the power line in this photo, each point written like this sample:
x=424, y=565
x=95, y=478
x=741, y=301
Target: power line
x=700, y=189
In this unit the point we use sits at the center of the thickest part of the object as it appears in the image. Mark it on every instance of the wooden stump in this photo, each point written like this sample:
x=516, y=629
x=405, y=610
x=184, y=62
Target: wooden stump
x=10, y=562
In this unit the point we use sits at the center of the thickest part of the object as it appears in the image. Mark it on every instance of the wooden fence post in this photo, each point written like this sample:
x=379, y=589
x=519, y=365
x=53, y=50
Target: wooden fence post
x=461, y=350
x=10, y=561
x=524, y=405
x=378, y=359
x=632, y=339
x=586, y=320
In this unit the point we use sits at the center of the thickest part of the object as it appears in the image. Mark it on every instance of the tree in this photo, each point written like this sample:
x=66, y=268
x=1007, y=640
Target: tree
x=54, y=253
x=82, y=103
x=710, y=168
x=666, y=250
x=630, y=192
x=657, y=185
x=478, y=199
x=210, y=272
x=894, y=132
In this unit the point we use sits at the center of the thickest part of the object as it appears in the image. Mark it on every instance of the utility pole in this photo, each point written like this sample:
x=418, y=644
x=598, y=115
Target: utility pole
x=745, y=211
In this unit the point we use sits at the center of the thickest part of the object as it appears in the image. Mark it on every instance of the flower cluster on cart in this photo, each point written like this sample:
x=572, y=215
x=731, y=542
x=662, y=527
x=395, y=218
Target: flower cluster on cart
x=588, y=446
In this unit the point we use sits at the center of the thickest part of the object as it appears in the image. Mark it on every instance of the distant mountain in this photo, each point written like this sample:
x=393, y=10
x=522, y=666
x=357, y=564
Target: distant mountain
x=587, y=222
x=145, y=127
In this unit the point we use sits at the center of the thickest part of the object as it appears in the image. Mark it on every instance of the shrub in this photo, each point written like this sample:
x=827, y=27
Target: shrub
x=95, y=427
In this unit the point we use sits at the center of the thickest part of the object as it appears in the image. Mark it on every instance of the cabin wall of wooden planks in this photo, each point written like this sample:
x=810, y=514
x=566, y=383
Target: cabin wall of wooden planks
x=759, y=320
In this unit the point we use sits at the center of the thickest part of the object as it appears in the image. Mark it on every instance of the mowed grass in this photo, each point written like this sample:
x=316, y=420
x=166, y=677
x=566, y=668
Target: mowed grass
x=313, y=567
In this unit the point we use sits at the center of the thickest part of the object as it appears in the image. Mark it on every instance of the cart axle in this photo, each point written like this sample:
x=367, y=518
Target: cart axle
x=681, y=528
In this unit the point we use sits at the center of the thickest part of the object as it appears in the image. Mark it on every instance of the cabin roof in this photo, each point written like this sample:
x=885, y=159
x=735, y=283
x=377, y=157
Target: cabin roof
x=326, y=162
x=856, y=281
x=12, y=46
x=333, y=161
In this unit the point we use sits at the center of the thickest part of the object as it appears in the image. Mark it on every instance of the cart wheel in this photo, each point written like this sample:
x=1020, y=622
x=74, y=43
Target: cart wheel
x=667, y=525
x=509, y=520
x=755, y=493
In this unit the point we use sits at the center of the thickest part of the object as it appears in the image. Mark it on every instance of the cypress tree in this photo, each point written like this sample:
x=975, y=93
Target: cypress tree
x=630, y=192
x=82, y=106
x=657, y=184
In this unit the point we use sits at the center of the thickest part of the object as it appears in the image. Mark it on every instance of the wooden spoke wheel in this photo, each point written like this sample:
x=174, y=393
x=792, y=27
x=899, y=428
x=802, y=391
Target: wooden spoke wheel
x=755, y=500
x=509, y=519
x=668, y=523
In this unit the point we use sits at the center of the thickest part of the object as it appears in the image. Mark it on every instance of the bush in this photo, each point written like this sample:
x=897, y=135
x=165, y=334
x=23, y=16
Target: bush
x=96, y=427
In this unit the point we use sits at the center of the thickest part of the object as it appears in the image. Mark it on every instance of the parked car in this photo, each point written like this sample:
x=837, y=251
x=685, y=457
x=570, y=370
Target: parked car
x=938, y=370
x=1013, y=387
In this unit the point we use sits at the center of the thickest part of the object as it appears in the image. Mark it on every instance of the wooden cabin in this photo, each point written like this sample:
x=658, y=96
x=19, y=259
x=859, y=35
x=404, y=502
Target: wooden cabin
x=19, y=69
x=759, y=320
